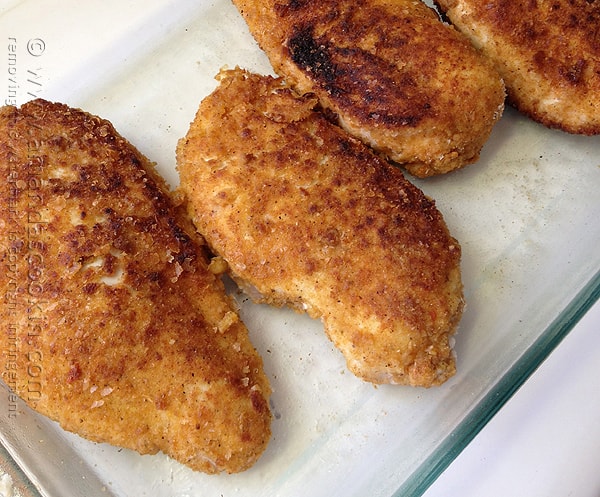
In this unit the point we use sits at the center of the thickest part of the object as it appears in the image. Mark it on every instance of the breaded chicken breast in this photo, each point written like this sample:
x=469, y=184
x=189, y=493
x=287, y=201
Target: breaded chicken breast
x=112, y=323
x=390, y=73
x=548, y=53
x=309, y=217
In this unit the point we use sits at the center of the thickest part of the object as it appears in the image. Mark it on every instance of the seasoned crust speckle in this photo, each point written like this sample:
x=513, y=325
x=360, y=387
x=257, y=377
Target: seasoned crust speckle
x=308, y=217
x=110, y=302
x=391, y=73
x=547, y=52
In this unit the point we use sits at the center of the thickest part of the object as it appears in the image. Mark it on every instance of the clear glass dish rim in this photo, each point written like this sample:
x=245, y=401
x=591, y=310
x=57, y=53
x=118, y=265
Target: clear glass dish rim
x=437, y=462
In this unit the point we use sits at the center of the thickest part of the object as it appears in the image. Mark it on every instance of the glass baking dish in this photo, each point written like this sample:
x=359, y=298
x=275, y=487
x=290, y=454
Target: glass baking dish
x=526, y=216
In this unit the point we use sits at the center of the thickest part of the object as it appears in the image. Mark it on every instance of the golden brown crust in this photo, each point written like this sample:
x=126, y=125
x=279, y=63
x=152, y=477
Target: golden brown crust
x=311, y=218
x=547, y=52
x=111, y=322
x=394, y=76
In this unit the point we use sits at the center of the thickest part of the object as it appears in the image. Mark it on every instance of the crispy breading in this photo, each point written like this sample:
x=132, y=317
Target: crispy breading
x=111, y=322
x=309, y=217
x=547, y=52
x=391, y=74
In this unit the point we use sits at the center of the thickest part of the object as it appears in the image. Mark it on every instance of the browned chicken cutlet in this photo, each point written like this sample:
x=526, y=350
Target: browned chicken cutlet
x=390, y=73
x=548, y=53
x=112, y=323
x=309, y=217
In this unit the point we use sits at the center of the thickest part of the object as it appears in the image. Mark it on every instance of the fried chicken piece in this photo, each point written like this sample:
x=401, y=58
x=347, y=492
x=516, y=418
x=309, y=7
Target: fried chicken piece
x=391, y=74
x=112, y=323
x=309, y=217
x=547, y=52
